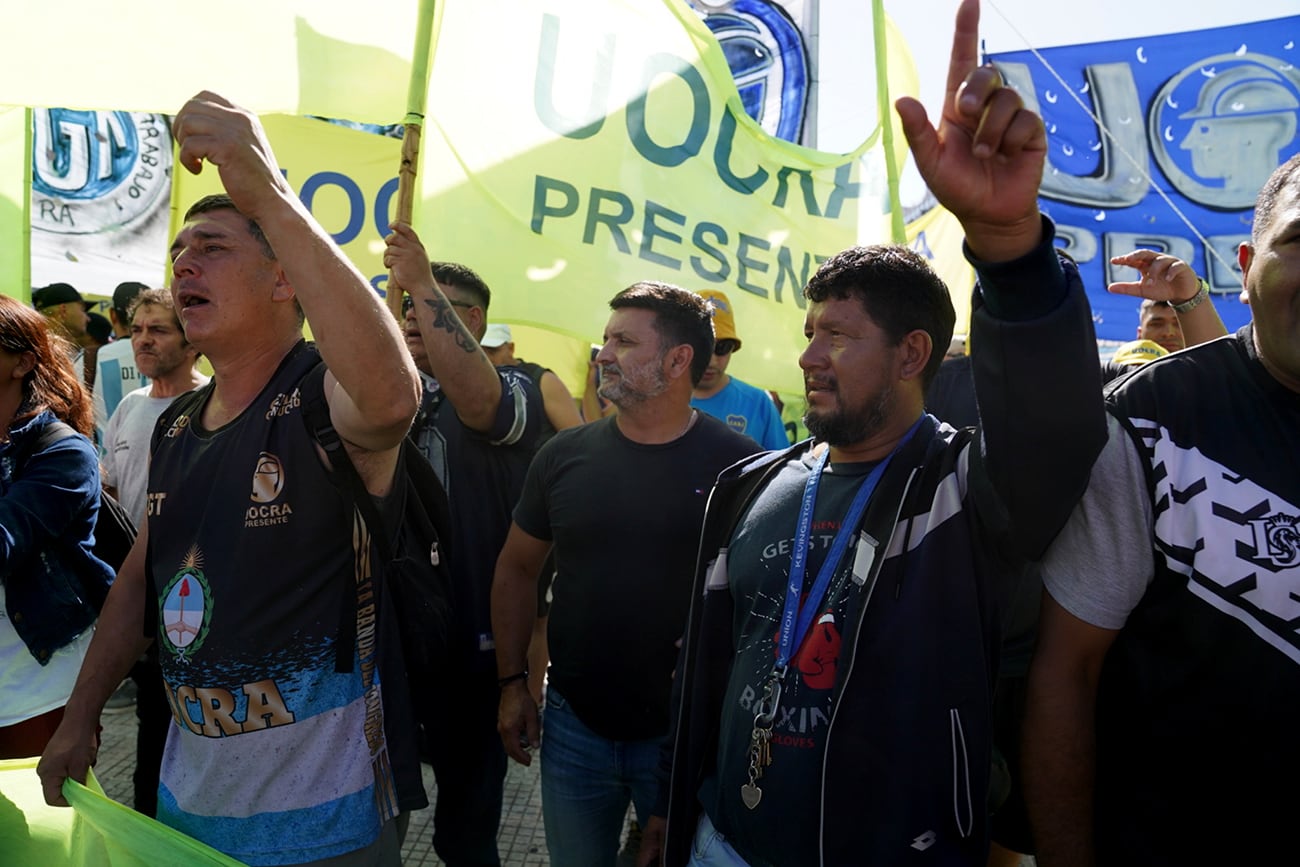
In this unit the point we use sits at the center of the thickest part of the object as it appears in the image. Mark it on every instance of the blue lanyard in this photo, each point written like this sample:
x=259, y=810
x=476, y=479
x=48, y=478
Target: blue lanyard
x=795, y=621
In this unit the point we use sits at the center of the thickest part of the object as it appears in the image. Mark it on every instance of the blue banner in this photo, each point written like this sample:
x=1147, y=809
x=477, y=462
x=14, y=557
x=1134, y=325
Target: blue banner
x=1187, y=128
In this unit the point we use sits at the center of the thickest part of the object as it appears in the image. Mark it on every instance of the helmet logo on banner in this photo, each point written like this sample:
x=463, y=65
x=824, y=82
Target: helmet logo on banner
x=1220, y=128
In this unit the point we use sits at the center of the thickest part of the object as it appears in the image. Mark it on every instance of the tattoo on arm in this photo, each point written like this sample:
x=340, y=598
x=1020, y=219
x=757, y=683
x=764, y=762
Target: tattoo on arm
x=445, y=317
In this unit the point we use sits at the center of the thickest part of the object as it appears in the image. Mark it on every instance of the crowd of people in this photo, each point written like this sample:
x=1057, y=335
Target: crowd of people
x=1005, y=600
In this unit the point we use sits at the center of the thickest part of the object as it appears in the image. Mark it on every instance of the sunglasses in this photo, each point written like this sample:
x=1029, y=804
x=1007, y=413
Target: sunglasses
x=725, y=346
x=408, y=302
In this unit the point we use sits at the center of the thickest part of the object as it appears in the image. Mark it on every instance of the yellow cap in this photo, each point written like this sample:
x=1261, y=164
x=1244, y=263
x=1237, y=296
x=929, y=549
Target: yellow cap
x=724, y=321
x=1138, y=352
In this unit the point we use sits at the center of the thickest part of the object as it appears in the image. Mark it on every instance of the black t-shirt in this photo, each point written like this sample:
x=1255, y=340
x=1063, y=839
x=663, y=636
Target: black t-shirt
x=625, y=519
x=784, y=826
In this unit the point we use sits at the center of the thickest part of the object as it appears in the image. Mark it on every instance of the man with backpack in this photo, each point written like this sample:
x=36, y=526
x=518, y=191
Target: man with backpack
x=479, y=426
x=277, y=755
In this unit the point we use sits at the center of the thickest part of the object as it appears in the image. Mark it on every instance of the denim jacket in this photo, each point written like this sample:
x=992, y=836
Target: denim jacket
x=54, y=585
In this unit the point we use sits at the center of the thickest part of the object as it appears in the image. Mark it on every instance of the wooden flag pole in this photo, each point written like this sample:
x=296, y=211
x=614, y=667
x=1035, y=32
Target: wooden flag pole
x=405, y=203
x=416, y=94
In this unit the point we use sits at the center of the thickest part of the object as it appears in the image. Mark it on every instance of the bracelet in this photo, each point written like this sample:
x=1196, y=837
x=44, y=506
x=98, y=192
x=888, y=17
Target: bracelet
x=506, y=681
x=1202, y=292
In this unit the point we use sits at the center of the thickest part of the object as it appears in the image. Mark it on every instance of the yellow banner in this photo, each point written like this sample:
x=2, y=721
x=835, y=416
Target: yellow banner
x=337, y=58
x=602, y=144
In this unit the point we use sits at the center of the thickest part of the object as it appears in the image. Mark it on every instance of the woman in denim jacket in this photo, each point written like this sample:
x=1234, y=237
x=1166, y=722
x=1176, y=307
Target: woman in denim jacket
x=51, y=585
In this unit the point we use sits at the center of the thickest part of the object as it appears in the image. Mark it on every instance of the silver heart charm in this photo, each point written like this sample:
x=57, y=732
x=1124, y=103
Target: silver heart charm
x=751, y=795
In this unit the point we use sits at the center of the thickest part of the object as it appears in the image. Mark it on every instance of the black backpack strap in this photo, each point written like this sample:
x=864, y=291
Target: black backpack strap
x=112, y=514
x=316, y=415
x=432, y=496
x=49, y=435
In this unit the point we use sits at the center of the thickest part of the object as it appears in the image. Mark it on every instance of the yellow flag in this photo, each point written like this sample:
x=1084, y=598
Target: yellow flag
x=602, y=144
x=95, y=831
x=337, y=58
x=938, y=237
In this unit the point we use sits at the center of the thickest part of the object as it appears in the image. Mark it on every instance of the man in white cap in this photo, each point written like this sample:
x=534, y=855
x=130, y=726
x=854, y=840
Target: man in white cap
x=561, y=409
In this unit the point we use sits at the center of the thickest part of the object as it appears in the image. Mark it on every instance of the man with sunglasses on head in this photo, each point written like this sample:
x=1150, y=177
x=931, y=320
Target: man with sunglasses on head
x=746, y=409
x=620, y=501
x=479, y=427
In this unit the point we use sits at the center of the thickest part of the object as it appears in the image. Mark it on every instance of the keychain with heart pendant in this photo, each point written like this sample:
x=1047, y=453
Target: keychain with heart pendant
x=760, y=742
x=760, y=756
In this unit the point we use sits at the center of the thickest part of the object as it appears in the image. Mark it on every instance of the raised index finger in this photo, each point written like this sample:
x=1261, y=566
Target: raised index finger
x=965, y=52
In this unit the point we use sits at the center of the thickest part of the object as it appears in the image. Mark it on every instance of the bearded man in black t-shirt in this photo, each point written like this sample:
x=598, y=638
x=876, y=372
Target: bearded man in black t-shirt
x=621, y=501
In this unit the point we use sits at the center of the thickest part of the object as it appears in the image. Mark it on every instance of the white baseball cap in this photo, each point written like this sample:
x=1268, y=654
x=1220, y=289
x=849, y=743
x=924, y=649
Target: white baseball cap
x=496, y=335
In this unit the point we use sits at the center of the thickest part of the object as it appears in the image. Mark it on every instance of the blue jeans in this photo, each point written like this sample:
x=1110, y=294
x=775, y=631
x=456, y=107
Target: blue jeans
x=587, y=781
x=711, y=849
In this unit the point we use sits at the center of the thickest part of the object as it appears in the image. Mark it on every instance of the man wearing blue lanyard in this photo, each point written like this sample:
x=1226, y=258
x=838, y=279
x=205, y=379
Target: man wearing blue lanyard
x=837, y=675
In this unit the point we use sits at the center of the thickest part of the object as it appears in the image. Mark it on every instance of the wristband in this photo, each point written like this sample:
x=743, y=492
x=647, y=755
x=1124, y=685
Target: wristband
x=506, y=681
x=1202, y=292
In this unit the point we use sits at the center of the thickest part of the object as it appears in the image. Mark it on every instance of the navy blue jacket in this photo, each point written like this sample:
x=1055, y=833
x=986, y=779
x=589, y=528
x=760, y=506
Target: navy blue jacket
x=905, y=774
x=54, y=585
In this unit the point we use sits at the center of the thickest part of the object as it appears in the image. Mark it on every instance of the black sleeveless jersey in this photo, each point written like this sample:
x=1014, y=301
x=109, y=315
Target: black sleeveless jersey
x=1199, y=701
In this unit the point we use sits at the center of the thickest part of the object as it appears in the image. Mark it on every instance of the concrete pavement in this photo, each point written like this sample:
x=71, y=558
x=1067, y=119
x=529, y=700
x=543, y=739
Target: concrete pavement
x=522, y=839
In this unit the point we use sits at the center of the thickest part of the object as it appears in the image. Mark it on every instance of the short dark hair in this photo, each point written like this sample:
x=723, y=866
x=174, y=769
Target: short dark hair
x=123, y=295
x=680, y=317
x=465, y=279
x=1144, y=309
x=1266, y=201
x=899, y=291
x=222, y=202
x=157, y=298
x=99, y=328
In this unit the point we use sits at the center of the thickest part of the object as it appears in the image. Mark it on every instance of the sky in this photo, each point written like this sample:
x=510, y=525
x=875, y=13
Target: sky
x=847, y=112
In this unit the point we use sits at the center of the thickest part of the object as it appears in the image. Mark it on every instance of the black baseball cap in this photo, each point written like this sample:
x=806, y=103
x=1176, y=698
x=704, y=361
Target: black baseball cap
x=56, y=294
x=125, y=293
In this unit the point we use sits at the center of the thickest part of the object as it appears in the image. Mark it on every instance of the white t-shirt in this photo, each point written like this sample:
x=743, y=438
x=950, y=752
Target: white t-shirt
x=27, y=688
x=1114, y=516
x=126, y=449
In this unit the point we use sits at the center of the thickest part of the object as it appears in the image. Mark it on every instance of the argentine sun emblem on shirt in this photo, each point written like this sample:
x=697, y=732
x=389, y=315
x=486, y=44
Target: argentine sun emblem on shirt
x=186, y=606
